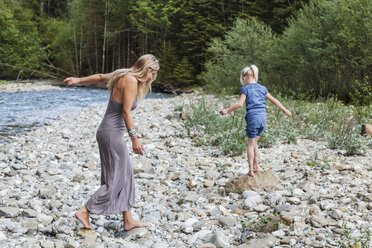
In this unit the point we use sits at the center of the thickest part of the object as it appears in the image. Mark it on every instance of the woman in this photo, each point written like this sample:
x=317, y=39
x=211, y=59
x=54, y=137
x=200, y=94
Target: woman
x=117, y=192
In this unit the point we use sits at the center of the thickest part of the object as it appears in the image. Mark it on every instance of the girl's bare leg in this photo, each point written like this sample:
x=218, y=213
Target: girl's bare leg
x=250, y=154
x=130, y=223
x=255, y=160
x=83, y=216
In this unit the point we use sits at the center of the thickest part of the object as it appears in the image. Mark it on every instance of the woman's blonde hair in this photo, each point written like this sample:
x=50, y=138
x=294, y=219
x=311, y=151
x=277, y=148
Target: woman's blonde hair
x=251, y=71
x=144, y=65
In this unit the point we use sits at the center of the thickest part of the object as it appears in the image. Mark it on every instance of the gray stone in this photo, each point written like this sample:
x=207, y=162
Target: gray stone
x=71, y=243
x=294, y=200
x=9, y=212
x=278, y=233
x=252, y=199
x=219, y=240
x=29, y=213
x=261, y=208
x=281, y=208
x=47, y=244
x=133, y=234
x=43, y=218
x=112, y=225
x=259, y=243
x=64, y=225
x=226, y=220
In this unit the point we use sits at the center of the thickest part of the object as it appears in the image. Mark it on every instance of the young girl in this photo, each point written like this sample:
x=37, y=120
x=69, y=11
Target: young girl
x=254, y=94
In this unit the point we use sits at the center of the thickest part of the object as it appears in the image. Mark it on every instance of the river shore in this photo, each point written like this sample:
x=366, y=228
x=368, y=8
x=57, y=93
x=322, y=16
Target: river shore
x=50, y=172
x=12, y=86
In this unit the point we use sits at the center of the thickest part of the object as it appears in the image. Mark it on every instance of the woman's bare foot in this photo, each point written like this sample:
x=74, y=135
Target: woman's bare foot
x=128, y=225
x=250, y=173
x=83, y=216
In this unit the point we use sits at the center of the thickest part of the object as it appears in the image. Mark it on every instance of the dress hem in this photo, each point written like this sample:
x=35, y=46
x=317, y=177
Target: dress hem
x=126, y=209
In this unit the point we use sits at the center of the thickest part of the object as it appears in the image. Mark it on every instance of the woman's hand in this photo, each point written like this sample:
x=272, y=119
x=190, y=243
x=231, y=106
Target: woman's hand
x=137, y=146
x=71, y=81
x=223, y=111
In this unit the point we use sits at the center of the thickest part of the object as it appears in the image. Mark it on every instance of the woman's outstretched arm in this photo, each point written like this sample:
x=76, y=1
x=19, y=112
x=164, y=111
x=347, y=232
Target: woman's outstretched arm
x=278, y=104
x=238, y=105
x=93, y=79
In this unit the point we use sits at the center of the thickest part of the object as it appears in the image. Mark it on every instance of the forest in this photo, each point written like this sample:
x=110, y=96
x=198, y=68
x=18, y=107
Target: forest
x=308, y=49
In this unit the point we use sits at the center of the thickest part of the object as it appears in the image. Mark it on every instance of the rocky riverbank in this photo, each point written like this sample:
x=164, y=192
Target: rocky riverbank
x=10, y=86
x=317, y=198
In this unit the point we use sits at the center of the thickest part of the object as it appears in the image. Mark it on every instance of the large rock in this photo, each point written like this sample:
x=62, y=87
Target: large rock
x=261, y=181
x=367, y=129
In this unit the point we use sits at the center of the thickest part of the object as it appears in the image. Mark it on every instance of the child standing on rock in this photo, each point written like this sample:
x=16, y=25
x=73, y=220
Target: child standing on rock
x=254, y=94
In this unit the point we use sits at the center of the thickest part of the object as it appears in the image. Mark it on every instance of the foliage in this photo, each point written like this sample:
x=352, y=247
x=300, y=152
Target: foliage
x=347, y=241
x=316, y=162
x=362, y=93
x=80, y=37
x=319, y=120
x=245, y=44
x=346, y=136
x=18, y=43
x=326, y=48
x=261, y=224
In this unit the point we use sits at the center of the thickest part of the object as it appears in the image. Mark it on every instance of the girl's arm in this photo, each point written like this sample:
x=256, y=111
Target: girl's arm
x=129, y=96
x=93, y=79
x=238, y=105
x=278, y=104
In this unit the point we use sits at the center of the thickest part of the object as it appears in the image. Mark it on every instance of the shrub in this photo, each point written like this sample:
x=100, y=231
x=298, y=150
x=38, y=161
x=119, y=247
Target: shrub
x=326, y=48
x=245, y=44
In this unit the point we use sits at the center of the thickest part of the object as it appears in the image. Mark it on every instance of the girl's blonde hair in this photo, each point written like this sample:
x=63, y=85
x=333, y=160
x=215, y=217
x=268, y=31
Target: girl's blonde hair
x=251, y=71
x=144, y=65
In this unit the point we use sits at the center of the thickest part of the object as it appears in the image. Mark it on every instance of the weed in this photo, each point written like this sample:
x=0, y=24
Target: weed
x=329, y=120
x=316, y=162
x=262, y=224
x=347, y=241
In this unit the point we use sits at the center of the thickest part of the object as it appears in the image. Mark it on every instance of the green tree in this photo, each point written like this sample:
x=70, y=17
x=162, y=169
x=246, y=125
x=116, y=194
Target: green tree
x=326, y=48
x=245, y=44
x=19, y=50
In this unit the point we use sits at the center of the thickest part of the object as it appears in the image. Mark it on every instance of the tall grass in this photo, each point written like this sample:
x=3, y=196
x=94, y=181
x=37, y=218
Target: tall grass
x=320, y=120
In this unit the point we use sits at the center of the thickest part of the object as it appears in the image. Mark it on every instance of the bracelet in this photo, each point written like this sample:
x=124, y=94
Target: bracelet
x=132, y=132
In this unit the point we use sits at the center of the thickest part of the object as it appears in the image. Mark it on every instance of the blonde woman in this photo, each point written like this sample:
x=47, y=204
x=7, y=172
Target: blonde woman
x=254, y=94
x=117, y=191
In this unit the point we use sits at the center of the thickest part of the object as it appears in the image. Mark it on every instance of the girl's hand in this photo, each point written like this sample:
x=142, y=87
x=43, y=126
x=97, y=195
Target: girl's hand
x=137, y=146
x=71, y=81
x=288, y=113
x=223, y=111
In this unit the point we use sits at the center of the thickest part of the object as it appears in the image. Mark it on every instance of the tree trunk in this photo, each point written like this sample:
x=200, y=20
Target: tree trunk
x=95, y=42
x=119, y=45
x=81, y=48
x=128, y=52
x=76, y=52
x=104, y=38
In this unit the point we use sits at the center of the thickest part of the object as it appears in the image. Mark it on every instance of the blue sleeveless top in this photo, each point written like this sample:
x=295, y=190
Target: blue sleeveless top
x=256, y=95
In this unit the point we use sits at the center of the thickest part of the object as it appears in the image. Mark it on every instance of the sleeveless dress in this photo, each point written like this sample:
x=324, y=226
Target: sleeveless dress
x=117, y=191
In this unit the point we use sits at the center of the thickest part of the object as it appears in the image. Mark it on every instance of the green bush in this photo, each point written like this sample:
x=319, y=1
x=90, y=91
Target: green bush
x=245, y=44
x=326, y=49
x=329, y=120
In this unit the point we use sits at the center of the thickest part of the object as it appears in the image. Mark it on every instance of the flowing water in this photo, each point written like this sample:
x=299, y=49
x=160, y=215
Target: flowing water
x=22, y=111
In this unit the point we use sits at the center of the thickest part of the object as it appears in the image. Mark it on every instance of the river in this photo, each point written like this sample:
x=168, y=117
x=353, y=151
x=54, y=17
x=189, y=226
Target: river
x=23, y=111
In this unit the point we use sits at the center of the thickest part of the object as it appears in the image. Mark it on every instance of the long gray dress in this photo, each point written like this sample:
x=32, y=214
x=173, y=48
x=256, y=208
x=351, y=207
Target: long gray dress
x=117, y=191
